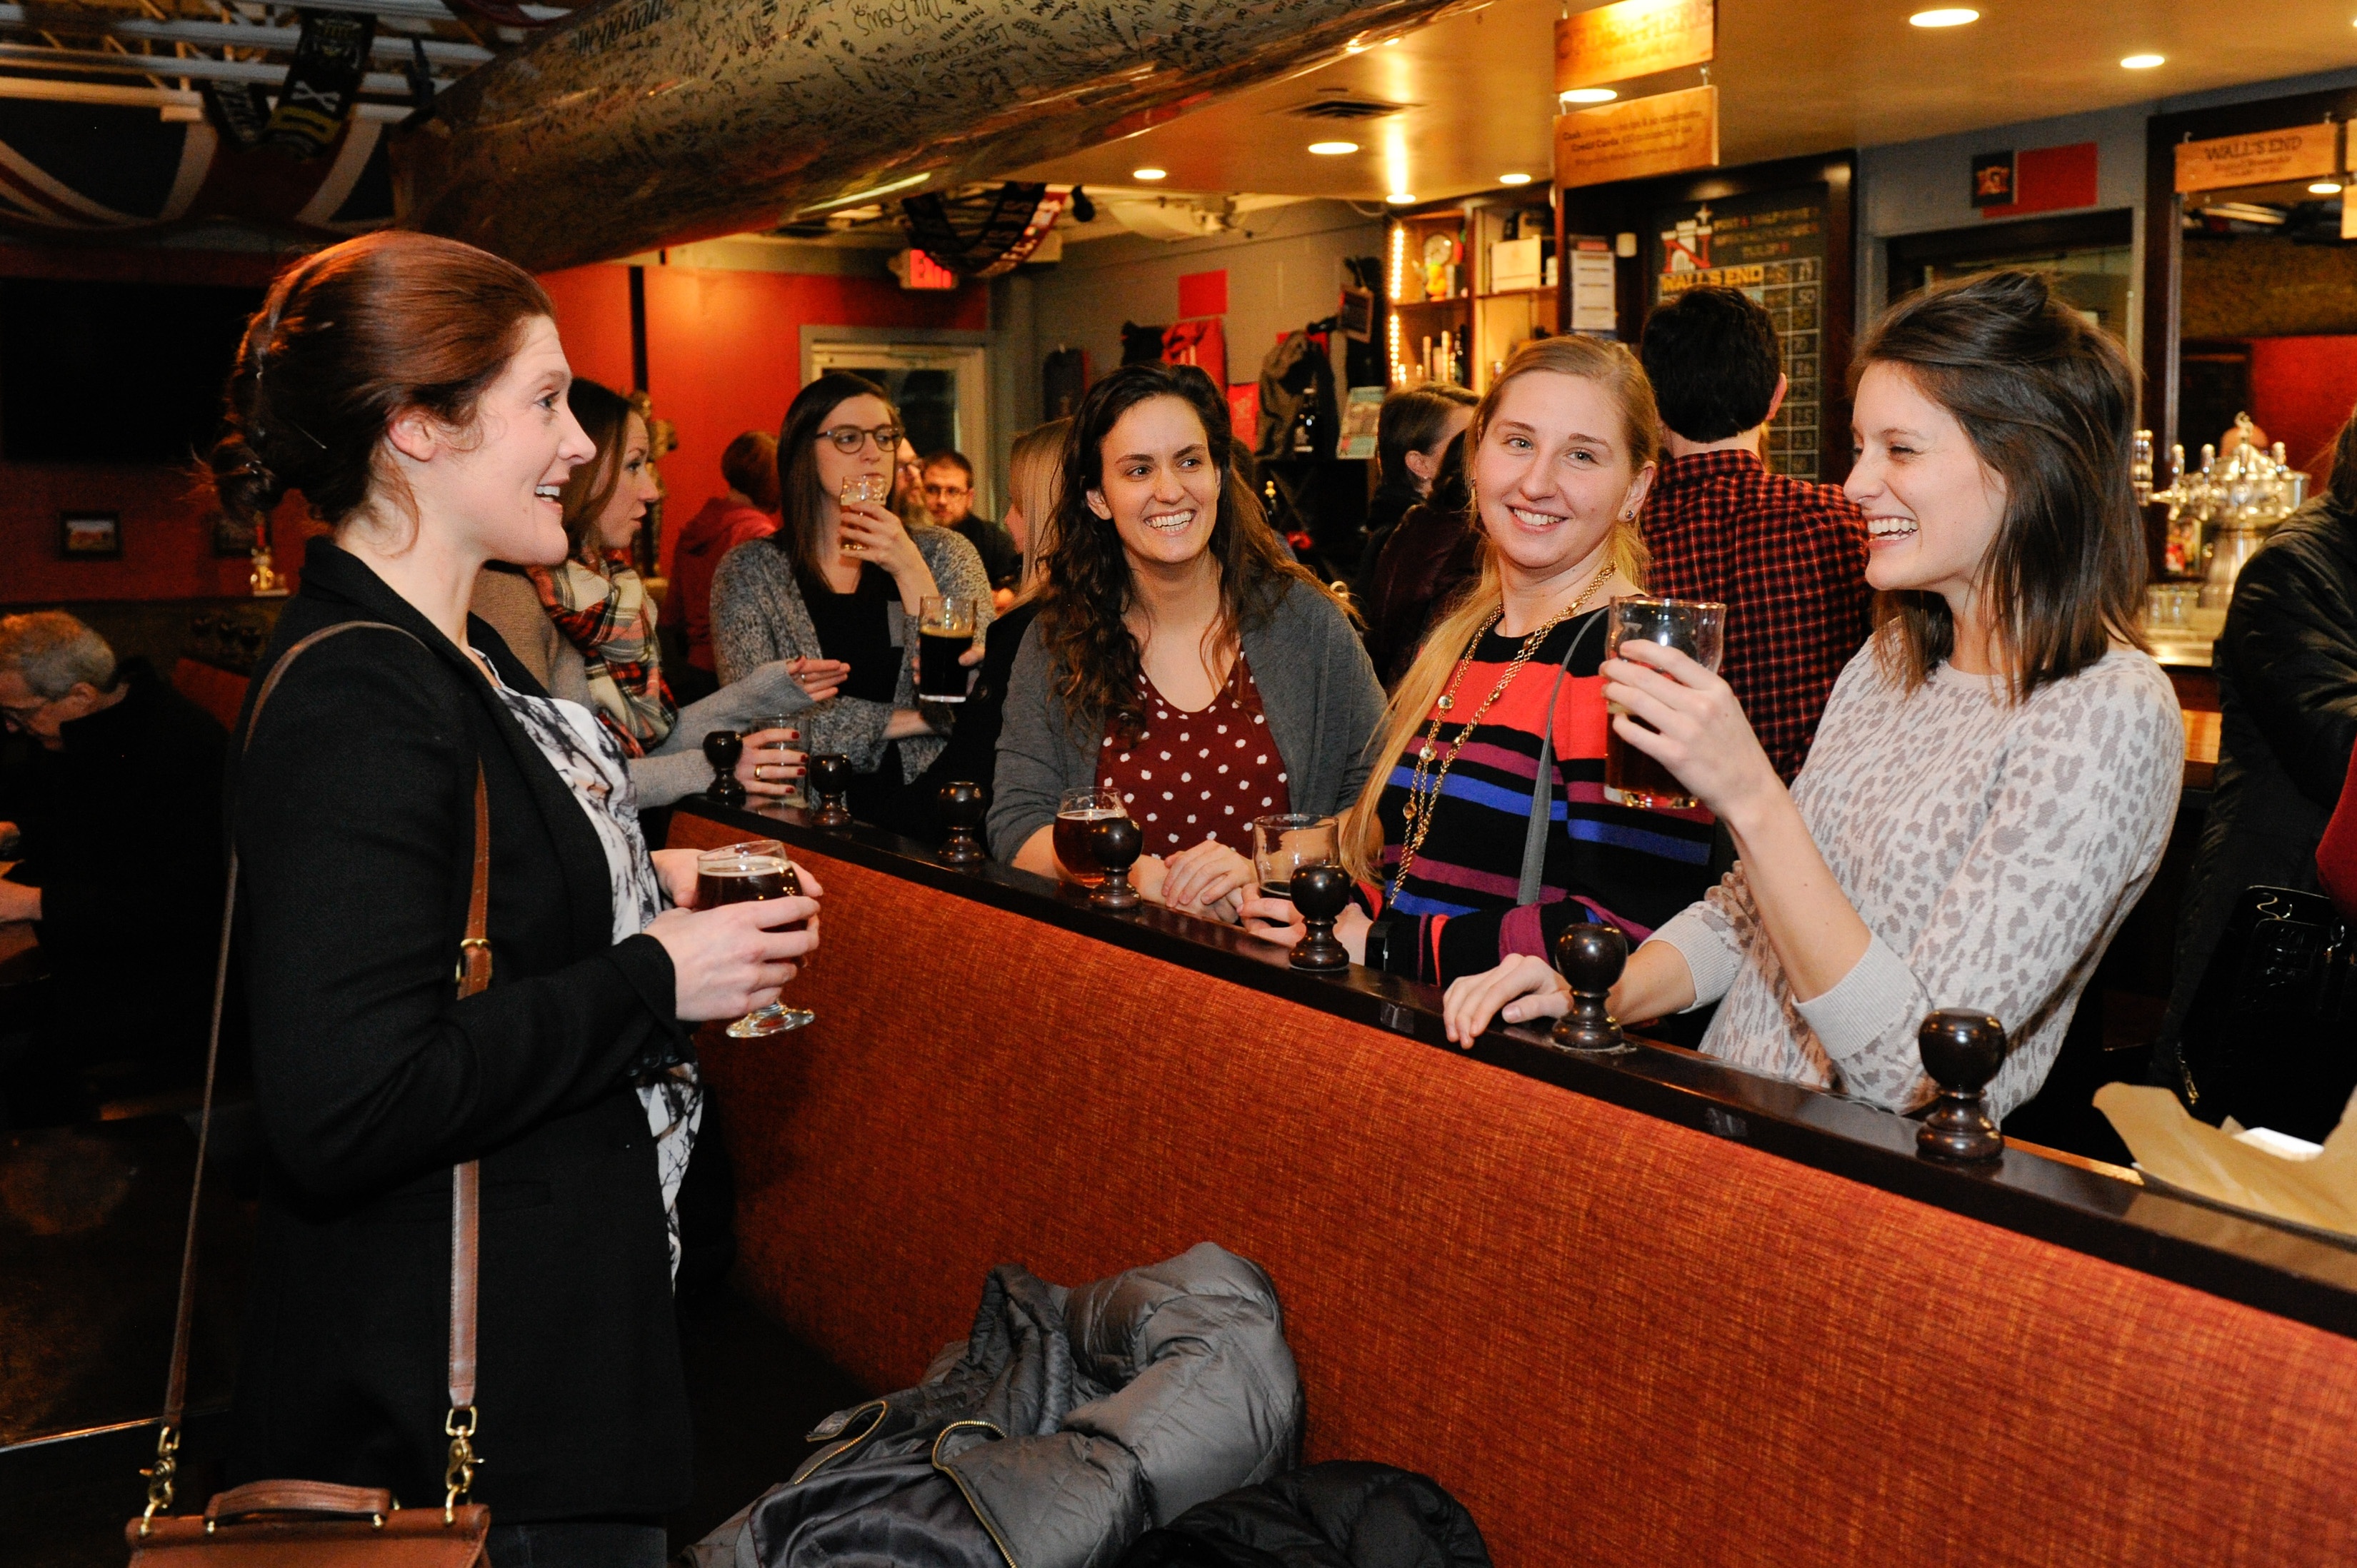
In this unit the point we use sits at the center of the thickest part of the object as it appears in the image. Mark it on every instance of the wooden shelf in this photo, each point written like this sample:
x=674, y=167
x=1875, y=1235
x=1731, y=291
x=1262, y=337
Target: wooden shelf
x=1427, y=303
x=1516, y=293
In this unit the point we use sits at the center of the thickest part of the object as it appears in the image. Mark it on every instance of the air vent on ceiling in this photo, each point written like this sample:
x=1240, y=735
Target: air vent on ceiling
x=1348, y=109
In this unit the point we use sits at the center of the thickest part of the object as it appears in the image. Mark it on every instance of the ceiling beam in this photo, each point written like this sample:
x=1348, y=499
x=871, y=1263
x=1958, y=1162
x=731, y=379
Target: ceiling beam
x=195, y=67
x=231, y=35
x=177, y=105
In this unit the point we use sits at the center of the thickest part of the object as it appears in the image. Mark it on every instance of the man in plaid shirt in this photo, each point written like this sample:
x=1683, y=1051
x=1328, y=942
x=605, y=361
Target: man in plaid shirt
x=1786, y=557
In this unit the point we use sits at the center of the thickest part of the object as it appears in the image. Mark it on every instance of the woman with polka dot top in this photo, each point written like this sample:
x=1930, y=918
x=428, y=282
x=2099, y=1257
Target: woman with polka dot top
x=1178, y=658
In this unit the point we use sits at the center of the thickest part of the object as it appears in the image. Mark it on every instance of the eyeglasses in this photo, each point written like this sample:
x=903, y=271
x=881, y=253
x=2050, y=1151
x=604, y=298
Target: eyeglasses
x=947, y=492
x=847, y=438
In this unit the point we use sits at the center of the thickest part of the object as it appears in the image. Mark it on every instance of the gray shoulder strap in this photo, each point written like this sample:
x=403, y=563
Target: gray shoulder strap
x=1526, y=889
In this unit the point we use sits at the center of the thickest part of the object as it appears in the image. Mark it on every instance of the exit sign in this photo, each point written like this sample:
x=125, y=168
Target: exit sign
x=919, y=270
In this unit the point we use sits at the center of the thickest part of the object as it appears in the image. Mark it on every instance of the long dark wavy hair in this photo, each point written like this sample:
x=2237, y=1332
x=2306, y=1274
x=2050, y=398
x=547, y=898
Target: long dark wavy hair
x=605, y=416
x=2048, y=402
x=1089, y=588
x=802, y=499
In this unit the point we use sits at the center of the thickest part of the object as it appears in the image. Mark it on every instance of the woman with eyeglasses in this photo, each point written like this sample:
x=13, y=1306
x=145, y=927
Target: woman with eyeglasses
x=846, y=581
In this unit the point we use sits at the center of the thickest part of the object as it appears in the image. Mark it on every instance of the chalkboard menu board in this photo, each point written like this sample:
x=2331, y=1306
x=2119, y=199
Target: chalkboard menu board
x=1772, y=245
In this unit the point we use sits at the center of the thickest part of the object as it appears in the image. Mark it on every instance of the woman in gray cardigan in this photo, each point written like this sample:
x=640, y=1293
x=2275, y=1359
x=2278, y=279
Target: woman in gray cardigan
x=846, y=581
x=1179, y=659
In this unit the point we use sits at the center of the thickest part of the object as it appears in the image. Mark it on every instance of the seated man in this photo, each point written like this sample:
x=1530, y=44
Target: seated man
x=949, y=495
x=122, y=867
x=1786, y=557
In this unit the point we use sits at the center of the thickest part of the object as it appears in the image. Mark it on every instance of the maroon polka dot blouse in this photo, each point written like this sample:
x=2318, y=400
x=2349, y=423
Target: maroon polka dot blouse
x=1204, y=775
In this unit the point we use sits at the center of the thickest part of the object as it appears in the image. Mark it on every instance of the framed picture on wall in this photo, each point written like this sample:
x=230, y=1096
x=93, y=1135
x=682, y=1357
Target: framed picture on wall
x=89, y=535
x=231, y=537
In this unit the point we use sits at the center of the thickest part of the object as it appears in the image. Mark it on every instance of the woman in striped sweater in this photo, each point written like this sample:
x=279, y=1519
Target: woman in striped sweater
x=1489, y=833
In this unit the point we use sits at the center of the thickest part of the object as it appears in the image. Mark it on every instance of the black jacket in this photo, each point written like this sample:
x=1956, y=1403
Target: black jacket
x=1345, y=1513
x=2287, y=667
x=126, y=847
x=353, y=814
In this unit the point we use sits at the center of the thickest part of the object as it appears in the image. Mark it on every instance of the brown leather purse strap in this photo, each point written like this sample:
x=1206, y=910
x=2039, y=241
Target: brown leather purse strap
x=474, y=974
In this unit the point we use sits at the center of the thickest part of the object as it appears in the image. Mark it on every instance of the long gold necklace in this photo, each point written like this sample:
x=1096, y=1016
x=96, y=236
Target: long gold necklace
x=1425, y=786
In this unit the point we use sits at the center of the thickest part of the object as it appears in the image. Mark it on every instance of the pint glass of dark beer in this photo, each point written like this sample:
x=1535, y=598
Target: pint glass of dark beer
x=1078, y=810
x=744, y=872
x=944, y=634
x=1696, y=628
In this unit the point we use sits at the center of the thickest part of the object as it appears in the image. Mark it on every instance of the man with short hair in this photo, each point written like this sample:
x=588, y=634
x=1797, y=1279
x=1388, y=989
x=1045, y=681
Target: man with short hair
x=1786, y=557
x=123, y=866
x=948, y=488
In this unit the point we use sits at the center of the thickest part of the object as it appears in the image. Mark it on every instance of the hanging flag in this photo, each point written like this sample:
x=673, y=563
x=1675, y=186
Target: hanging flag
x=323, y=82
x=240, y=110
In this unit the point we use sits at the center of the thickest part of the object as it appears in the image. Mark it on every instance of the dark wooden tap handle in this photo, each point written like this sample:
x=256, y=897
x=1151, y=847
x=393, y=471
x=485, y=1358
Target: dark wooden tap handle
x=963, y=805
x=1320, y=892
x=1590, y=958
x=1962, y=1047
x=724, y=748
x=1116, y=843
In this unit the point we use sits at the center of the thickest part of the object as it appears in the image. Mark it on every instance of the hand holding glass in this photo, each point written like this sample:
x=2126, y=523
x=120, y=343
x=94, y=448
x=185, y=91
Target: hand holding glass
x=1696, y=627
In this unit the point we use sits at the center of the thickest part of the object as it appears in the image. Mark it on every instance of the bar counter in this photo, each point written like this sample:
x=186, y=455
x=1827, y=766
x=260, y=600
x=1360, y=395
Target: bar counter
x=1642, y=1309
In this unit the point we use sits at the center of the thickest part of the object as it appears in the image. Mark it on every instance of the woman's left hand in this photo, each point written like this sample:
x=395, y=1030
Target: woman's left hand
x=1699, y=731
x=1209, y=880
x=676, y=869
x=872, y=533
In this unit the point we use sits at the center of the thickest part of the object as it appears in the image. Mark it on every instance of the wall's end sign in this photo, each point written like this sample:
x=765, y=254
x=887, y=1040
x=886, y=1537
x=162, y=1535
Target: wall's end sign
x=2261, y=158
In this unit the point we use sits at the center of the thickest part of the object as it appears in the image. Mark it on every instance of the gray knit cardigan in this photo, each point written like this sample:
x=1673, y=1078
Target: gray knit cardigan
x=757, y=614
x=1325, y=710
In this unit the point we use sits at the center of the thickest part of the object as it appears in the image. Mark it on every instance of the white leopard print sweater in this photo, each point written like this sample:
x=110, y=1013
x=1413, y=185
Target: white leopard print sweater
x=1991, y=848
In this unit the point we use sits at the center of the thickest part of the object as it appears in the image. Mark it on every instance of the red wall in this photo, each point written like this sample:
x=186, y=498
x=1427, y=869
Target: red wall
x=724, y=356
x=2302, y=390
x=167, y=540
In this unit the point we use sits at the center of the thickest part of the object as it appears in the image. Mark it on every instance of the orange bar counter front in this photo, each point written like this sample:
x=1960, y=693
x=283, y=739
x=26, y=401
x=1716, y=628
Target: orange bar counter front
x=1642, y=1310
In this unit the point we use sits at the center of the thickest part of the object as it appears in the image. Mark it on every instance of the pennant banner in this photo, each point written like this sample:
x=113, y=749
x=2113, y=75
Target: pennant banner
x=324, y=82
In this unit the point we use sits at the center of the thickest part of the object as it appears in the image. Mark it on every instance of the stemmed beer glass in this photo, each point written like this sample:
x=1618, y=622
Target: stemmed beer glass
x=756, y=869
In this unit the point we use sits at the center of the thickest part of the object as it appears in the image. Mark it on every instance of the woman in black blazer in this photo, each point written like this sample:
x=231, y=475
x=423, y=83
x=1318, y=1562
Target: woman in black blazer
x=413, y=390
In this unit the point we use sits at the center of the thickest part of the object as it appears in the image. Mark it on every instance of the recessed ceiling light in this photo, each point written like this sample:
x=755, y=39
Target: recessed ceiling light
x=2325, y=188
x=1953, y=17
x=1513, y=179
x=2143, y=62
x=1590, y=95
x=1333, y=149
x=1149, y=174
x=1400, y=197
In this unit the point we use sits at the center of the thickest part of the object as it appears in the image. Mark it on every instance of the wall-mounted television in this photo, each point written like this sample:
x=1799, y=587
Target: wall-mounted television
x=115, y=372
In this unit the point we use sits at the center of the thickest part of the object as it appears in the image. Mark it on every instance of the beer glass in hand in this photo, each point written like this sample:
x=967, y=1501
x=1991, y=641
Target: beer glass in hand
x=789, y=758
x=741, y=874
x=1077, y=811
x=1696, y=627
x=1285, y=843
x=945, y=635
x=863, y=489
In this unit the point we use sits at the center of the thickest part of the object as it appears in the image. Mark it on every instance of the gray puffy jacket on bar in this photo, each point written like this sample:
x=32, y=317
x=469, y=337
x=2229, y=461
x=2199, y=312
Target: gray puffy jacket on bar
x=1070, y=1423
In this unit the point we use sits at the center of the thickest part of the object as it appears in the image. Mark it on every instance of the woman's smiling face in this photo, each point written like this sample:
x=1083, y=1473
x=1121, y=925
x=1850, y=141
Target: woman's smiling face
x=1553, y=471
x=1933, y=507
x=1160, y=489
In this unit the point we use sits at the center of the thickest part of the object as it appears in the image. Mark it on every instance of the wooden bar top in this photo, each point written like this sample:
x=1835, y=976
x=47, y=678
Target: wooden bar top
x=2201, y=747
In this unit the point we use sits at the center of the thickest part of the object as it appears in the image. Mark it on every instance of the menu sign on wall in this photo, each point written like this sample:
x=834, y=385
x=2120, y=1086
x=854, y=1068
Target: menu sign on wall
x=1668, y=134
x=2262, y=157
x=1771, y=246
x=1634, y=37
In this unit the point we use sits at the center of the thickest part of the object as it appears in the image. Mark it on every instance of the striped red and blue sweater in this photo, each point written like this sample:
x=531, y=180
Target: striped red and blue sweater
x=1604, y=863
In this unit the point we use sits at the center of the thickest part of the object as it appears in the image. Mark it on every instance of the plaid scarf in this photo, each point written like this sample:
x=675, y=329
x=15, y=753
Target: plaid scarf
x=607, y=615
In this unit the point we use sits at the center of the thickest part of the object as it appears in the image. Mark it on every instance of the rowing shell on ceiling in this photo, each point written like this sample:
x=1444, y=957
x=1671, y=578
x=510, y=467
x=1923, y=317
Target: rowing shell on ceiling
x=645, y=123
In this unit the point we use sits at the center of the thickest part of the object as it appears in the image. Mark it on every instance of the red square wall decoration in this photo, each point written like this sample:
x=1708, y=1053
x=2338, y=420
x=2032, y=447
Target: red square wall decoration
x=2050, y=180
x=1203, y=293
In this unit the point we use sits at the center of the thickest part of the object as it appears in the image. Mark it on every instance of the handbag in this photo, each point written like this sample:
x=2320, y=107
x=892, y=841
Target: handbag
x=279, y=1524
x=2271, y=1037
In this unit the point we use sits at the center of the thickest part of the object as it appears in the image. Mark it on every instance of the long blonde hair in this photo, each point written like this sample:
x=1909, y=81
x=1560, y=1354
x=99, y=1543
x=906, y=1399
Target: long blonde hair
x=1034, y=465
x=1616, y=370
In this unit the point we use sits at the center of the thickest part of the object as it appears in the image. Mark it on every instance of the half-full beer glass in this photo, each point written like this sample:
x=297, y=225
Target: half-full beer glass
x=1696, y=627
x=1077, y=811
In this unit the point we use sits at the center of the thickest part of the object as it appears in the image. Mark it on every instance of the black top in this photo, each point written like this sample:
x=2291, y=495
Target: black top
x=1000, y=558
x=856, y=627
x=124, y=838
x=353, y=811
